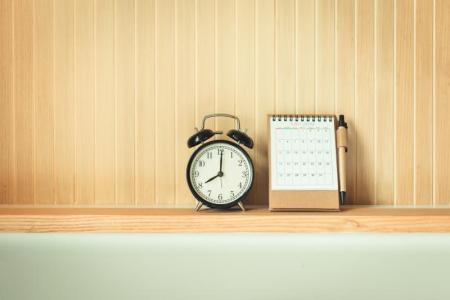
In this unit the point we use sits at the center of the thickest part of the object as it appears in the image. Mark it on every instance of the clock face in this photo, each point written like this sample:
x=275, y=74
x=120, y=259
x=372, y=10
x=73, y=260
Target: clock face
x=220, y=174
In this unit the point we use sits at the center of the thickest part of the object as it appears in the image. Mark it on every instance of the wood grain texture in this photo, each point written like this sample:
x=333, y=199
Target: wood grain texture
x=165, y=102
x=225, y=62
x=245, y=70
x=384, y=102
x=105, y=104
x=265, y=92
x=442, y=103
x=325, y=52
x=285, y=76
x=84, y=102
x=185, y=96
x=124, y=51
x=99, y=97
x=205, y=64
x=7, y=161
x=345, y=84
x=423, y=106
x=404, y=103
x=305, y=56
x=365, y=102
x=145, y=102
x=254, y=220
x=44, y=98
x=24, y=133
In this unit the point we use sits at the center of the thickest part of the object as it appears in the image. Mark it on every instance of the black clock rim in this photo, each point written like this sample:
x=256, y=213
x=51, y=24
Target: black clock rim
x=215, y=205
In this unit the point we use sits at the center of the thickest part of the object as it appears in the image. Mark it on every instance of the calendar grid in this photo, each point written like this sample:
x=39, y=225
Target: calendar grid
x=303, y=153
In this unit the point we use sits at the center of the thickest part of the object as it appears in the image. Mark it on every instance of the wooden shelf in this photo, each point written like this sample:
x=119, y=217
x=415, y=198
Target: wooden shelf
x=351, y=219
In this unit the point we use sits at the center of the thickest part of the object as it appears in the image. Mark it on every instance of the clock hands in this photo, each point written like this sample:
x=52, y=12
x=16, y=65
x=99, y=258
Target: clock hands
x=212, y=178
x=220, y=173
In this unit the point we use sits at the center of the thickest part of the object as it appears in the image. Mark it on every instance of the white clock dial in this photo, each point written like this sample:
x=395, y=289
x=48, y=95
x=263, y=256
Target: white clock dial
x=220, y=173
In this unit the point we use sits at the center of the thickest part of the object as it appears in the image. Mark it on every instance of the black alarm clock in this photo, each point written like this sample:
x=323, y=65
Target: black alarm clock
x=220, y=173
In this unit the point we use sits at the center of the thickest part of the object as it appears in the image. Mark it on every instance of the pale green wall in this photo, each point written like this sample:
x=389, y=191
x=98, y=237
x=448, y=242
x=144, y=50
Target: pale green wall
x=225, y=266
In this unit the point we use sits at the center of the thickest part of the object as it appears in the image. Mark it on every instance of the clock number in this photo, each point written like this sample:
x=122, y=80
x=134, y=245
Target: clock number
x=196, y=173
x=240, y=185
x=201, y=163
x=219, y=197
x=231, y=154
x=232, y=193
x=209, y=193
x=240, y=162
x=244, y=174
x=219, y=151
x=200, y=185
x=209, y=155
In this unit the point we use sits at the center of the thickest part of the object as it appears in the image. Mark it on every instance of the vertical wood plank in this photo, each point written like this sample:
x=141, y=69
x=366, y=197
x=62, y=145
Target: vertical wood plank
x=345, y=83
x=245, y=73
x=285, y=57
x=104, y=104
x=64, y=103
x=84, y=102
x=43, y=68
x=265, y=92
x=7, y=104
x=124, y=83
x=225, y=62
x=185, y=97
x=404, y=103
x=364, y=102
x=442, y=103
x=305, y=45
x=423, y=141
x=23, y=101
x=325, y=57
x=165, y=103
x=205, y=59
x=145, y=102
x=384, y=137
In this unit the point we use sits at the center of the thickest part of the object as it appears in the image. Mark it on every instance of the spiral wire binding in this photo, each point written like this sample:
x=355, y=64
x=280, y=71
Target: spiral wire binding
x=302, y=118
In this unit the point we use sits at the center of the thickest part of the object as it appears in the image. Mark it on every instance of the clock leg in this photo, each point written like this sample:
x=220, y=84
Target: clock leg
x=198, y=206
x=241, y=206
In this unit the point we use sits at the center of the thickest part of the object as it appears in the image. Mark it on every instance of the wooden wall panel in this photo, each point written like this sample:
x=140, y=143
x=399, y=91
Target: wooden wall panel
x=105, y=104
x=423, y=105
x=245, y=72
x=24, y=130
x=325, y=52
x=165, y=102
x=225, y=62
x=84, y=102
x=99, y=97
x=145, y=102
x=264, y=91
x=7, y=159
x=124, y=51
x=384, y=102
x=285, y=76
x=185, y=94
x=404, y=103
x=365, y=102
x=442, y=103
x=305, y=38
x=345, y=82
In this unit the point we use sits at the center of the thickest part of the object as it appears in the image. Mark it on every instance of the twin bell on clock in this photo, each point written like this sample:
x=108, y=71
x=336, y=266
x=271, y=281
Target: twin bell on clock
x=220, y=172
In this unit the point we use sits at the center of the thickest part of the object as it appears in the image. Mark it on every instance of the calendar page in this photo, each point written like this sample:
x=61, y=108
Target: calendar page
x=303, y=153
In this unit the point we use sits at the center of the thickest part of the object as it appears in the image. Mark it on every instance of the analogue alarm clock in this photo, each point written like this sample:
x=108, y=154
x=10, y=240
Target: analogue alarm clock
x=220, y=173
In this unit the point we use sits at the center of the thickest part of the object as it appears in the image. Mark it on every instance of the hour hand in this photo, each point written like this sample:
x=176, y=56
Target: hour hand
x=212, y=178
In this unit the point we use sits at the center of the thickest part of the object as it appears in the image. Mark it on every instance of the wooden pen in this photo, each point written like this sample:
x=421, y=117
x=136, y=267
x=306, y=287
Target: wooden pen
x=342, y=149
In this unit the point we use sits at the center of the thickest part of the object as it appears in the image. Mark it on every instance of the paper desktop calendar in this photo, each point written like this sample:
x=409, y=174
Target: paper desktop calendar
x=303, y=164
